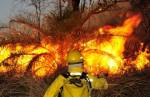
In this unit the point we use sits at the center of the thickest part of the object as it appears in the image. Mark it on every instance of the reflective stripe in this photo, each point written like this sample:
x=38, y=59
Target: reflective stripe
x=91, y=80
x=76, y=73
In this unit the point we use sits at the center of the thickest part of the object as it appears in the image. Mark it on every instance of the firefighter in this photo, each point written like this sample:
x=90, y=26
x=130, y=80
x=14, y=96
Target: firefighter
x=75, y=83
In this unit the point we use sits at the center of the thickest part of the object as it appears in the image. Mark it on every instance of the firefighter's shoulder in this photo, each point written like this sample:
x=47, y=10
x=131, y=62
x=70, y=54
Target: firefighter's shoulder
x=98, y=82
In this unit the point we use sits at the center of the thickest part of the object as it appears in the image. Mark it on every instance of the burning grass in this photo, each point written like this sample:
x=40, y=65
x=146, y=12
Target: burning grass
x=102, y=51
x=32, y=66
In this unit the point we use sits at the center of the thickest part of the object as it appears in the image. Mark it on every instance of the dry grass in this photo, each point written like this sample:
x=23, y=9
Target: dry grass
x=25, y=86
x=132, y=85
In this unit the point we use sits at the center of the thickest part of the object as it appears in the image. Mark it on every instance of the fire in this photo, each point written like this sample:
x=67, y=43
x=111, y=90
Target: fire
x=108, y=54
x=22, y=63
x=125, y=29
x=18, y=57
x=97, y=61
x=4, y=53
x=44, y=65
x=101, y=53
x=142, y=59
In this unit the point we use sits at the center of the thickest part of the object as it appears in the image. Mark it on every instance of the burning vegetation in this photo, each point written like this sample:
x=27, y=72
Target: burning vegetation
x=34, y=49
x=103, y=52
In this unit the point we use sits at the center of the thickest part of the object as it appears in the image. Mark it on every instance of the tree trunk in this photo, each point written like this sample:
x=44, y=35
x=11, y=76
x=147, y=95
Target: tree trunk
x=75, y=5
x=60, y=9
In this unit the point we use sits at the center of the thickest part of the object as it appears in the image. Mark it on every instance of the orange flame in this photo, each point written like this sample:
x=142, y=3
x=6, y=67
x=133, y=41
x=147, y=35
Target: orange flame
x=44, y=65
x=108, y=55
x=102, y=53
x=142, y=59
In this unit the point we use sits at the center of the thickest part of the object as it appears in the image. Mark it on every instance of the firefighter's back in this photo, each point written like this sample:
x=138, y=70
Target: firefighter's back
x=78, y=89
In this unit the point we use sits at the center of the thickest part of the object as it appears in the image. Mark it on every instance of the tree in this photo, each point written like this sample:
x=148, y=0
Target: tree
x=38, y=5
x=75, y=5
x=66, y=16
x=77, y=12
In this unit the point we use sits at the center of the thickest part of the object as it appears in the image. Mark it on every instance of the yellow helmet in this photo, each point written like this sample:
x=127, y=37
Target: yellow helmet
x=74, y=56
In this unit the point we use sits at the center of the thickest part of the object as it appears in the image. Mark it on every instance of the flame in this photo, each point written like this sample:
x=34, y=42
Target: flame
x=97, y=61
x=44, y=65
x=22, y=56
x=4, y=53
x=22, y=63
x=103, y=52
x=108, y=55
x=142, y=60
x=126, y=29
